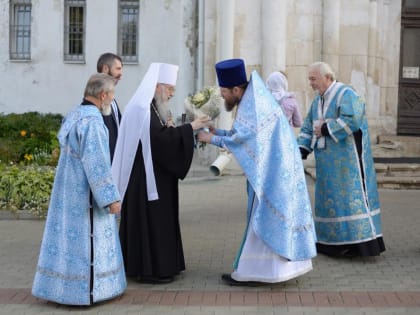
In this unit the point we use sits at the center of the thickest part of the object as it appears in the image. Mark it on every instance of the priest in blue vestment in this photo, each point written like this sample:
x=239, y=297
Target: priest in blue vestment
x=80, y=261
x=347, y=209
x=279, y=240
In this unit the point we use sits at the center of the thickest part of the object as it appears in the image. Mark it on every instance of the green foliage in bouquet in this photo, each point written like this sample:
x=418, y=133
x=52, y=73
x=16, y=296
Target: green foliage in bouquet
x=29, y=138
x=204, y=102
x=202, y=97
x=26, y=188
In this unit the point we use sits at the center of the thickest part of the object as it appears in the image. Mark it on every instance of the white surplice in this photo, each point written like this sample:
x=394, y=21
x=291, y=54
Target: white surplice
x=259, y=263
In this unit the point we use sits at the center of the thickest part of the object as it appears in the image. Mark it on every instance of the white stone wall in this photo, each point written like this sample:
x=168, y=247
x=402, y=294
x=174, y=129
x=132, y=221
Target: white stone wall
x=359, y=38
x=48, y=84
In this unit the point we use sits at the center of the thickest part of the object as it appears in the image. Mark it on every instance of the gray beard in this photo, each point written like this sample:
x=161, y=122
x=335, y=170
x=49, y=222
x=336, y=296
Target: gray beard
x=106, y=110
x=163, y=110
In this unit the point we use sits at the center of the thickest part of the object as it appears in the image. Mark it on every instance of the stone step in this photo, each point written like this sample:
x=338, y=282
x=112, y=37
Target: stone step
x=398, y=182
x=398, y=169
x=392, y=146
x=398, y=175
x=397, y=162
x=390, y=176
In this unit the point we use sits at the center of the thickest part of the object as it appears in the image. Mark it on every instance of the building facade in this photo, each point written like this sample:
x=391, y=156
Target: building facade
x=48, y=49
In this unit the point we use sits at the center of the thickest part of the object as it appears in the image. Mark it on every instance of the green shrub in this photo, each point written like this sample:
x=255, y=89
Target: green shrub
x=29, y=150
x=29, y=138
x=26, y=188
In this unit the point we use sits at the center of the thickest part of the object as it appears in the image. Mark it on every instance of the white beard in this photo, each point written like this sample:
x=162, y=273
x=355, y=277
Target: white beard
x=106, y=110
x=163, y=109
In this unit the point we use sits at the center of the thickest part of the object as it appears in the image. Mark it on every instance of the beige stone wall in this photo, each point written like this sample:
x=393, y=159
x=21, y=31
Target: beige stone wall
x=359, y=38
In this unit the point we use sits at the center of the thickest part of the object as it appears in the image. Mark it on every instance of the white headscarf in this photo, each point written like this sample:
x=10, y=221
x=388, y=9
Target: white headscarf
x=278, y=86
x=135, y=126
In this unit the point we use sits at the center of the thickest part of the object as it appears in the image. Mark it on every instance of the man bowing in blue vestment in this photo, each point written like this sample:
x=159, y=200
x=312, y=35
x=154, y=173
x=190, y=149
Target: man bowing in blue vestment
x=279, y=240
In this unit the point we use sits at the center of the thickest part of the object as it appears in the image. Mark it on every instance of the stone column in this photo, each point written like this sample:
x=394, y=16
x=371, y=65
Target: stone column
x=373, y=72
x=224, y=49
x=331, y=33
x=274, y=36
x=373, y=37
x=225, y=28
x=225, y=44
x=387, y=64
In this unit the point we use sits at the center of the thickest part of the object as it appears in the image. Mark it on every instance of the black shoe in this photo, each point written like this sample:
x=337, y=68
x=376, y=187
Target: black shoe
x=226, y=277
x=155, y=280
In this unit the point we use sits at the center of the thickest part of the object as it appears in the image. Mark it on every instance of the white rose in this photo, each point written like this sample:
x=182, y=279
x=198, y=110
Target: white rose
x=199, y=97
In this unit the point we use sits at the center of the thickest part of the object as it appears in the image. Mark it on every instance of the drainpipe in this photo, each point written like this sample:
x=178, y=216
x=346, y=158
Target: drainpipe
x=200, y=48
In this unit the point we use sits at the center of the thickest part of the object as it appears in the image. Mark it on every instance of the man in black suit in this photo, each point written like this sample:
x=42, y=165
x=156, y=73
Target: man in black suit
x=111, y=64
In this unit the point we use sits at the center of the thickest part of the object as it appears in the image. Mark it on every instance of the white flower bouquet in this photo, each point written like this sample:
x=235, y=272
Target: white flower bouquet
x=205, y=102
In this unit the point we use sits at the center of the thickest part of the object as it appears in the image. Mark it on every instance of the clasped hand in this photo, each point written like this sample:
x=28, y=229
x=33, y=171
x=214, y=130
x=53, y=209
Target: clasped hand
x=170, y=122
x=115, y=207
x=317, y=129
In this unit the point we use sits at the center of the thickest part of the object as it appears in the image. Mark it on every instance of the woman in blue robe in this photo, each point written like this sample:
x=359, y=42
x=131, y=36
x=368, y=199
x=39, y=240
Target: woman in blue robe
x=80, y=261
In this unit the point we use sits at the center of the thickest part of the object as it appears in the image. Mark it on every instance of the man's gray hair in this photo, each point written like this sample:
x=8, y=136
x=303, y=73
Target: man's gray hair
x=324, y=69
x=98, y=83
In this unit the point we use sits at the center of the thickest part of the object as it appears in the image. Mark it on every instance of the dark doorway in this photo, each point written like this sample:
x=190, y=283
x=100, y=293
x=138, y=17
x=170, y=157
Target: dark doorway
x=409, y=84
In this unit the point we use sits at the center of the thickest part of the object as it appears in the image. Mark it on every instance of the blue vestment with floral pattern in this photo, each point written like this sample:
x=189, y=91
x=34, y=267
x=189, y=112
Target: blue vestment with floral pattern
x=347, y=207
x=265, y=147
x=63, y=273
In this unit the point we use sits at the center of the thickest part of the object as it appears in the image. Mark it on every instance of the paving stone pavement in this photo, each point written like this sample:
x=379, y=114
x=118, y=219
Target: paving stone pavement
x=213, y=211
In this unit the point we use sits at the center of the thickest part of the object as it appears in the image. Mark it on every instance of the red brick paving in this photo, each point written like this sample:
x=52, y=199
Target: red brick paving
x=209, y=298
x=195, y=299
x=279, y=298
x=321, y=299
x=307, y=299
x=348, y=299
x=265, y=298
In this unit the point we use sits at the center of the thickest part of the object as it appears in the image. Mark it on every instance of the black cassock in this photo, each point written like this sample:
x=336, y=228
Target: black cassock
x=149, y=230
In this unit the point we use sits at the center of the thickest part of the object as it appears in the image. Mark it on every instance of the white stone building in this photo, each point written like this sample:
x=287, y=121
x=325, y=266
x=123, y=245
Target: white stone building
x=48, y=48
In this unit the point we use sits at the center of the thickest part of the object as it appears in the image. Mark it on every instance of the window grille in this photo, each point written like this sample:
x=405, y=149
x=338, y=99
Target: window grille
x=74, y=30
x=128, y=30
x=20, y=30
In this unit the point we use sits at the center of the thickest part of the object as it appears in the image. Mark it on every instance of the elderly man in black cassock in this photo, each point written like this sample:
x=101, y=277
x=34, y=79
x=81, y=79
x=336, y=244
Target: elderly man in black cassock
x=151, y=155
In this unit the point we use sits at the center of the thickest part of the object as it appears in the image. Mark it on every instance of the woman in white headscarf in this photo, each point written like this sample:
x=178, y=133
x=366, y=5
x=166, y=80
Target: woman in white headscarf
x=278, y=86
